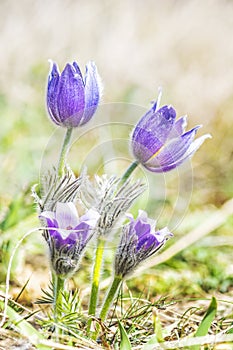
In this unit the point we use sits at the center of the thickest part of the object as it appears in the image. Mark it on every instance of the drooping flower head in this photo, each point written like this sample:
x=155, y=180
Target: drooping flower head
x=67, y=235
x=160, y=143
x=71, y=98
x=139, y=241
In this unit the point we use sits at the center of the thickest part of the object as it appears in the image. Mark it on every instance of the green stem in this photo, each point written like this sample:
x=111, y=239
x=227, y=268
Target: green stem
x=109, y=299
x=98, y=265
x=96, y=276
x=64, y=151
x=129, y=171
x=58, y=287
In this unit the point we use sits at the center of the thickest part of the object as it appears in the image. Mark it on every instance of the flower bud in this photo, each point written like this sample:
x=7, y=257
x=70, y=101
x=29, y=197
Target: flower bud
x=71, y=98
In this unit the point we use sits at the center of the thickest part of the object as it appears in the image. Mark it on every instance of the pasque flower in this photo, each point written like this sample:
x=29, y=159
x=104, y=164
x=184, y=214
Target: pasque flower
x=160, y=143
x=71, y=98
x=67, y=235
x=139, y=241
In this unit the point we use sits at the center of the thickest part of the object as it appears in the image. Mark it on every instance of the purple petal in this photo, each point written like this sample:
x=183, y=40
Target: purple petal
x=77, y=70
x=144, y=229
x=178, y=128
x=174, y=150
x=50, y=218
x=90, y=217
x=162, y=235
x=151, y=132
x=140, y=225
x=156, y=104
x=51, y=222
x=71, y=100
x=142, y=215
x=69, y=230
x=196, y=144
x=66, y=215
x=69, y=237
x=146, y=241
x=52, y=93
x=64, y=237
x=154, y=238
x=193, y=147
x=130, y=217
x=62, y=234
x=93, y=88
x=141, y=228
x=83, y=232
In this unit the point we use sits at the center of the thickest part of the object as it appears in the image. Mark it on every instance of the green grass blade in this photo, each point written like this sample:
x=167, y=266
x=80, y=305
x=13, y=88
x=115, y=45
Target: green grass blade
x=157, y=326
x=25, y=328
x=125, y=343
x=157, y=337
x=22, y=289
x=151, y=342
x=206, y=321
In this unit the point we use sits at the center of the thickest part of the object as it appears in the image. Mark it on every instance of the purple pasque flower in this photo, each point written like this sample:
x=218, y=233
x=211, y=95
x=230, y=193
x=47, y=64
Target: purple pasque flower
x=67, y=235
x=71, y=98
x=160, y=143
x=139, y=241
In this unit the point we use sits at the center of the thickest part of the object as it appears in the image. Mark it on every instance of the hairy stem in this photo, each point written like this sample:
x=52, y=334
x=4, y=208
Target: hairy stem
x=110, y=297
x=96, y=276
x=129, y=171
x=58, y=287
x=98, y=265
x=64, y=151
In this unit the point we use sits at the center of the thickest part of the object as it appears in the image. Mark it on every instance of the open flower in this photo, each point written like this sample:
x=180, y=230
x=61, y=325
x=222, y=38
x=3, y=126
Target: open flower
x=160, y=143
x=71, y=98
x=67, y=235
x=139, y=241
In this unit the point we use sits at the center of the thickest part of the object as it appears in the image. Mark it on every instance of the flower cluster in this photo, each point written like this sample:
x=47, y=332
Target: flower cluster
x=158, y=142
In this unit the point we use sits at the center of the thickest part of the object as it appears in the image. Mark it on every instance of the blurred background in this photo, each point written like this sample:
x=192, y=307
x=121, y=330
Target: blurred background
x=183, y=46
